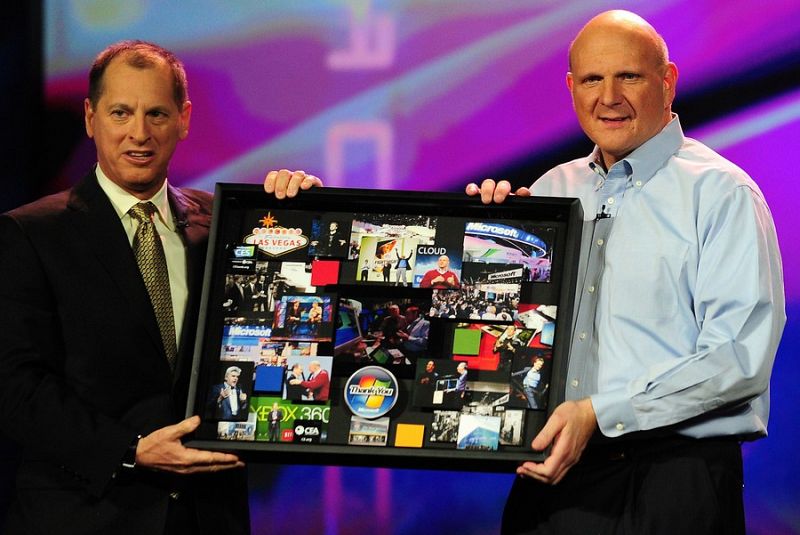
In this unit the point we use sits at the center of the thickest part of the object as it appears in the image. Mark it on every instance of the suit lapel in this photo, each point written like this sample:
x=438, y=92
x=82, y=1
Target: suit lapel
x=101, y=228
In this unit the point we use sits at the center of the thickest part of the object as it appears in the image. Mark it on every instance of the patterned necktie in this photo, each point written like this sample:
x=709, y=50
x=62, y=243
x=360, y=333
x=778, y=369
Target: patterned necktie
x=152, y=263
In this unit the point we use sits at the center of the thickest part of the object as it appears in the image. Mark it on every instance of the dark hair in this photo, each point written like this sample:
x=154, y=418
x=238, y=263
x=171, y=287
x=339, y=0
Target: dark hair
x=140, y=55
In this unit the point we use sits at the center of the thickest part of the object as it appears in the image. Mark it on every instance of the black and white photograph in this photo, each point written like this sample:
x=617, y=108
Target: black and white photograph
x=245, y=295
x=251, y=298
x=512, y=426
x=484, y=397
x=444, y=427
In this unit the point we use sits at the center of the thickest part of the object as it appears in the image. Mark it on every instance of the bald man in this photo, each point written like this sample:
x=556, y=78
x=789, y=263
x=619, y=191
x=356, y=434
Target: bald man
x=679, y=311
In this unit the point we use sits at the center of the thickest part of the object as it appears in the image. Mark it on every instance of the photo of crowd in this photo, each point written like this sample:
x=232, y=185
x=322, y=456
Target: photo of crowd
x=444, y=427
x=483, y=301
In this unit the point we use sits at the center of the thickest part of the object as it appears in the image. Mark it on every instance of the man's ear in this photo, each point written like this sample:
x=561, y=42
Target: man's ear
x=88, y=117
x=185, y=117
x=570, y=80
x=670, y=82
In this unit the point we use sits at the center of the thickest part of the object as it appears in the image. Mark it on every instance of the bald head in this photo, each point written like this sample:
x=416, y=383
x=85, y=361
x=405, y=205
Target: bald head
x=621, y=21
x=622, y=83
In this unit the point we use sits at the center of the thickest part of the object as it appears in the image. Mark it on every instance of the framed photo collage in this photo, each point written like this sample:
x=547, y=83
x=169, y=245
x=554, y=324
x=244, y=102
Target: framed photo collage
x=383, y=328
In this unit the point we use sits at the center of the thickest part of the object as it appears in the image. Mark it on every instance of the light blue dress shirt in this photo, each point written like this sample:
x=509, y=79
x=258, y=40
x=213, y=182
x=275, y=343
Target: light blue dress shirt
x=680, y=303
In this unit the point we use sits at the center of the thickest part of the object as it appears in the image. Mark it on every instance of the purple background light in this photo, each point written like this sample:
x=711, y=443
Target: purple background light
x=431, y=95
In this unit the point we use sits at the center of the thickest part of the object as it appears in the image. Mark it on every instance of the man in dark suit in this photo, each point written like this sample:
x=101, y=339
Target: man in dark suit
x=228, y=399
x=98, y=357
x=274, y=418
x=294, y=378
x=332, y=242
x=233, y=294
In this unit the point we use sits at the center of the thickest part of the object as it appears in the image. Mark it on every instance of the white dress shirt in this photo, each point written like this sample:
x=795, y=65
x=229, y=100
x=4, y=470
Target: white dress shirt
x=174, y=248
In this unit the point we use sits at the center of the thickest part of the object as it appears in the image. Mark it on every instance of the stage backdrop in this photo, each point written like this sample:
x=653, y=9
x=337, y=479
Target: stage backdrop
x=429, y=95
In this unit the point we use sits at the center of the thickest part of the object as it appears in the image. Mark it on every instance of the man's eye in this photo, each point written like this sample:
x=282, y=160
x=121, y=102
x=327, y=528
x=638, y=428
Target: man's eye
x=118, y=113
x=630, y=76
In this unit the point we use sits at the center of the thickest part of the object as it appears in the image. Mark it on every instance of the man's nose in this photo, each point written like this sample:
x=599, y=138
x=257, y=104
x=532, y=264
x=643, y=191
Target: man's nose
x=611, y=94
x=139, y=129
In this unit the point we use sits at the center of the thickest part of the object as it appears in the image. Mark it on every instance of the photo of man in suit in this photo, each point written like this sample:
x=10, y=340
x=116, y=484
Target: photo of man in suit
x=99, y=291
x=274, y=418
x=229, y=399
x=294, y=378
x=234, y=294
x=331, y=242
x=318, y=383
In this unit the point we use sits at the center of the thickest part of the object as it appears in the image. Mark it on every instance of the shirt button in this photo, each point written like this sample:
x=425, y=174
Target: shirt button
x=600, y=242
x=582, y=336
x=620, y=426
x=611, y=200
x=590, y=289
x=638, y=183
x=575, y=383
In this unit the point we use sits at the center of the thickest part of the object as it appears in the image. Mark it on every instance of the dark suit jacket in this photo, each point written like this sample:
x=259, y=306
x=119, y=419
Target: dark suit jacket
x=222, y=410
x=85, y=371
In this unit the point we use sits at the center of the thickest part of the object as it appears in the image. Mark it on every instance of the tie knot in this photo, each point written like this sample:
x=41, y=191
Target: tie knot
x=143, y=212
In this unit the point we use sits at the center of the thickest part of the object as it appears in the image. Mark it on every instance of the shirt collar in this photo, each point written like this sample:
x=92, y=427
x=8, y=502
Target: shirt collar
x=646, y=160
x=122, y=201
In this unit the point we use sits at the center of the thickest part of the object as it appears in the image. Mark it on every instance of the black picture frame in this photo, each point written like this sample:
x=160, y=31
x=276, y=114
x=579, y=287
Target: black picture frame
x=244, y=286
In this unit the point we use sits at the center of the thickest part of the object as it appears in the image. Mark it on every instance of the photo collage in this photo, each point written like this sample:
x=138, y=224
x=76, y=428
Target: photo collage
x=332, y=313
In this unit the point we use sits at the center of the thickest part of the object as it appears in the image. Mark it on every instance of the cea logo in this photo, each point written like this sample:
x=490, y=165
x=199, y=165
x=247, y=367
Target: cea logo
x=307, y=431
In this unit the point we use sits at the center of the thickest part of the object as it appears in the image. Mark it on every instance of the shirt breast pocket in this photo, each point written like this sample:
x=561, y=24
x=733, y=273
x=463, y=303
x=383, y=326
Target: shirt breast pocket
x=647, y=281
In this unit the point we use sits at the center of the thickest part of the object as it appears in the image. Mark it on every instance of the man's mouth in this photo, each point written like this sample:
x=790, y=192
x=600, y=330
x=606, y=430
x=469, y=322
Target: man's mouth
x=139, y=155
x=611, y=121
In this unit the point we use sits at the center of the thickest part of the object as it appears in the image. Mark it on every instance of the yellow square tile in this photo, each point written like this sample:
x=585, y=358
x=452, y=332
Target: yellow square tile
x=409, y=436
